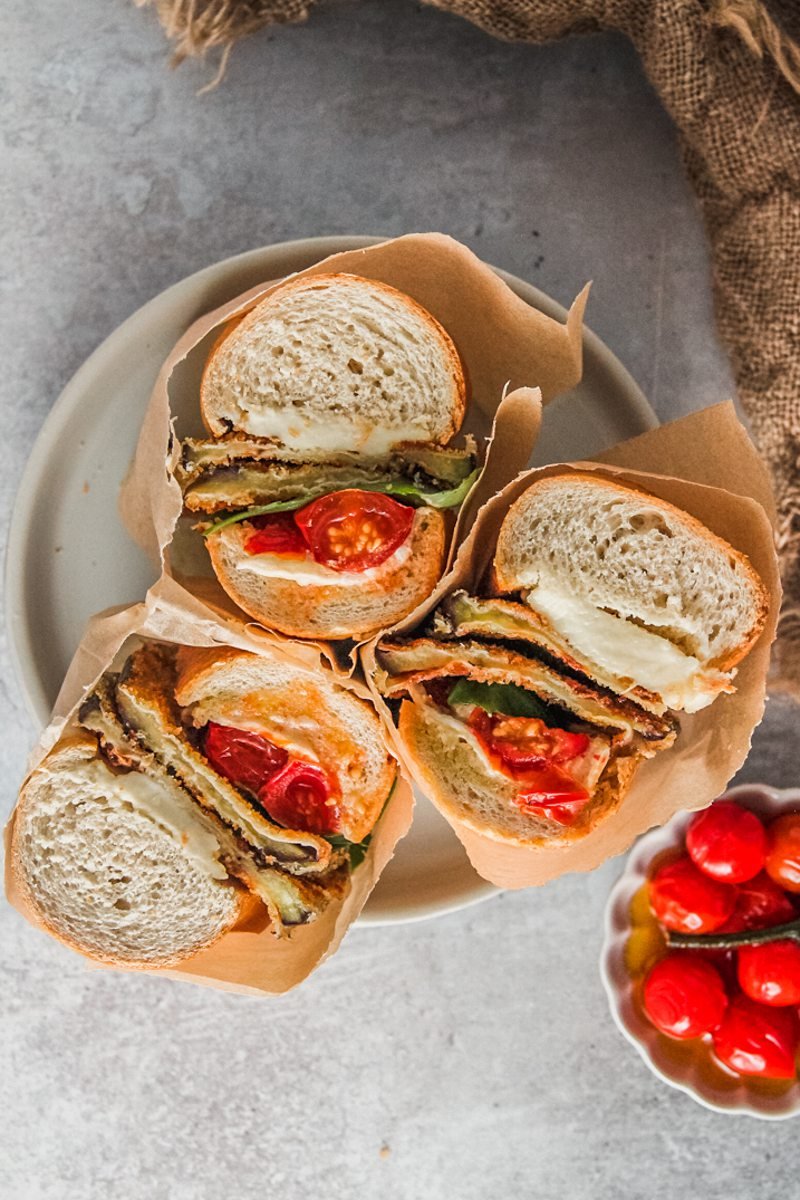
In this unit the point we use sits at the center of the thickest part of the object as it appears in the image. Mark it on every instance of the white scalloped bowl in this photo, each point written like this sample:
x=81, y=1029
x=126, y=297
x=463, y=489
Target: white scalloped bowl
x=666, y=1058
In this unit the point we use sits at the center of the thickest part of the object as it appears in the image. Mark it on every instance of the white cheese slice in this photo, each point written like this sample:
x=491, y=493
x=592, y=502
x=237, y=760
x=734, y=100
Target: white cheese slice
x=625, y=649
x=334, y=433
x=305, y=570
x=158, y=804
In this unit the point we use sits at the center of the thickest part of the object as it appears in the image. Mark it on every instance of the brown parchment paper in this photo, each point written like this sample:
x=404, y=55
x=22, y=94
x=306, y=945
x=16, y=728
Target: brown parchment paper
x=705, y=464
x=248, y=958
x=505, y=345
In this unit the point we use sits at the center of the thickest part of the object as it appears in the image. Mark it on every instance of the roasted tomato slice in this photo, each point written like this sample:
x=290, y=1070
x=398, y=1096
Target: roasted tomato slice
x=247, y=759
x=300, y=796
x=276, y=533
x=353, y=530
x=550, y=793
x=522, y=743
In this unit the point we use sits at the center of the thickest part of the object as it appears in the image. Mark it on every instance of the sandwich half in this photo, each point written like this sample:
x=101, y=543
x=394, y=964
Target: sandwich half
x=193, y=778
x=527, y=708
x=322, y=492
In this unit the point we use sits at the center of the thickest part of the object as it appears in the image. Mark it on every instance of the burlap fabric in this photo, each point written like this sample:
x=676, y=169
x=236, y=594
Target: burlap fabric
x=728, y=71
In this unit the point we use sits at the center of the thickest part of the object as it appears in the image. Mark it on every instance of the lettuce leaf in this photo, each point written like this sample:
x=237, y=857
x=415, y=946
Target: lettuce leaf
x=403, y=488
x=508, y=699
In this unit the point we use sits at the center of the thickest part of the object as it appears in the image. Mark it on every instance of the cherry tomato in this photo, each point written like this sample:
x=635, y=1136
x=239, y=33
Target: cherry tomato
x=246, y=759
x=353, y=530
x=276, y=533
x=727, y=842
x=760, y=903
x=684, y=997
x=551, y=793
x=771, y=973
x=300, y=797
x=684, y=899
x=783, y=851
x=756, y=1040
x=525, y=742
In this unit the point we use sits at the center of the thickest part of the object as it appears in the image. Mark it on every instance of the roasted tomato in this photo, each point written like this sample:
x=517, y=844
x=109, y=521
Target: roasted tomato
x=760, y=903
x=756, y=1040
x=530, y=751
x=276, y=533
x=353, y=530
x=727, y=842
x=783, y=851
x=301, y=796
x=525, y=742
x=771, y=973
x=684, y=996
x=684, y=899
x=550, y=793
x=247, y=759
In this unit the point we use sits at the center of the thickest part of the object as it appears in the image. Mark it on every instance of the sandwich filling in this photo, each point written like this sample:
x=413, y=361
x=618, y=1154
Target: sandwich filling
x=533, y=719
x=624, y=649
x=278, y=811
x=322, y=522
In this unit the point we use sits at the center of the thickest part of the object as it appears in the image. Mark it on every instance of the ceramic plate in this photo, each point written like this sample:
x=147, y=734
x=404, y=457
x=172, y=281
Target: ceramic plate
x=69, y=556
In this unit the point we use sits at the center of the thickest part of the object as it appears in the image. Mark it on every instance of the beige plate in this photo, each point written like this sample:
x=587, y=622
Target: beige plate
x=68, y=555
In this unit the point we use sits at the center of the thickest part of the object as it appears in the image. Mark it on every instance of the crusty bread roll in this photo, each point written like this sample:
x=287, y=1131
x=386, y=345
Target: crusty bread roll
x=120, y=866
x=636, y=587
x=336, y=362
x=336, y=607
x=289, y=705
x=457, y=777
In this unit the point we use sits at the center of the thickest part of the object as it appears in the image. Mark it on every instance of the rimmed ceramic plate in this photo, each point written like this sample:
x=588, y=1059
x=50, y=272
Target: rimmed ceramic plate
x=69, y=556
x=720, y=1093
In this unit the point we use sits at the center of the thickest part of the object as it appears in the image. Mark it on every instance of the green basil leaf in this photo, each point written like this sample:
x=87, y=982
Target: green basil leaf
x=450, y=498
x=505, y=698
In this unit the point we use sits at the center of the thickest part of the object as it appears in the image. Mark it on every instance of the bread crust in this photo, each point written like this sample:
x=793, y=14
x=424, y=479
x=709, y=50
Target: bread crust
x=436, y=777
x=303, y=610
x=503, y=580
x=242, y=324
x=71, y=752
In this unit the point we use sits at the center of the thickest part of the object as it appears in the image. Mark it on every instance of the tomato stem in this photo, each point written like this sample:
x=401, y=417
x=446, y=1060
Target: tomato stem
x=730, y=941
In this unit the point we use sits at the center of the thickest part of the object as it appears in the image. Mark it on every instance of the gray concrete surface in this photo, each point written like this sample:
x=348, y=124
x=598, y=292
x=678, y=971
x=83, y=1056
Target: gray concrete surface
x=465, y=1058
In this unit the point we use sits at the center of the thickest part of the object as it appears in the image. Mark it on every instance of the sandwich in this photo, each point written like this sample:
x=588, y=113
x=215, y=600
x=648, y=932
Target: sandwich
x=323, y=491
x=527, y=707
x=193, y=782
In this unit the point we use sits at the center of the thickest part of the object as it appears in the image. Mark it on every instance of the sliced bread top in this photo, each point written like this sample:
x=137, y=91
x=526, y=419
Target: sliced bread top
x=119, y=866
x=585, y=550
x=336, y=362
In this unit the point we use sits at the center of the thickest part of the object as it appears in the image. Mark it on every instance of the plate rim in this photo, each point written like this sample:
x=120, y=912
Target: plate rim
x=19, y=631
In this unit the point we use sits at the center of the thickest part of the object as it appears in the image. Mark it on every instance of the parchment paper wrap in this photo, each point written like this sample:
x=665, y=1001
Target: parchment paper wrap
x=249, y=958
x=505, y=345
x=706, y=465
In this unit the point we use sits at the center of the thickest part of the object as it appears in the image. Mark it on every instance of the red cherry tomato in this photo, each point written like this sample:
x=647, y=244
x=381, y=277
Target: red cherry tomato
x=551, y=793
x=760, y=903
x=684, y=997
x=524, y=742
x=684, y=899
x=300, y=797
x=353, y=530
x=246, y=759
x=727, y=842
x=276, y=533
x=771, y=973
x=756, y=1040
x=783, y=851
